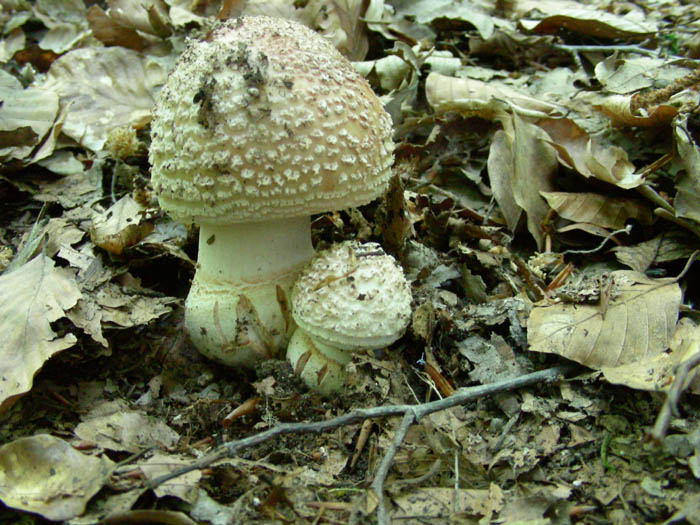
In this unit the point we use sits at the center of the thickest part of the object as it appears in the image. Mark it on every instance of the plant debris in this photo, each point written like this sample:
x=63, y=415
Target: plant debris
x=545, y=209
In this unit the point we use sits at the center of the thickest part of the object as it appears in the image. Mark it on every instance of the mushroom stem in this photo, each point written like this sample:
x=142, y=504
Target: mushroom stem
x=321, y=366
x=233, y=312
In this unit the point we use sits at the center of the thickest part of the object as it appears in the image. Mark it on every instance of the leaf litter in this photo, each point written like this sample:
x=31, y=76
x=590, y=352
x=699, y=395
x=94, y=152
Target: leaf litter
x=545, y=209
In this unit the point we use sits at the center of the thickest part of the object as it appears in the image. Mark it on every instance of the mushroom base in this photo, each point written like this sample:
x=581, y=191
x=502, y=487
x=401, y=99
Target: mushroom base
x=240, y=329
x=322, y=367
x=237, y=310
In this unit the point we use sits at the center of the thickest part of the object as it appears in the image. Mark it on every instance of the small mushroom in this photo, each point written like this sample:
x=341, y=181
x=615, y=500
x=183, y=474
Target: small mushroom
x=260, y=125
x=350, y=297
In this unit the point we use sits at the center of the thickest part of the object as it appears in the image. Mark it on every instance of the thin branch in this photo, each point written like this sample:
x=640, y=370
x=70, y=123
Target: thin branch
x=609, y=49
x=383, y=470
x=460, y=397
x=420, y=479
x=670, y=406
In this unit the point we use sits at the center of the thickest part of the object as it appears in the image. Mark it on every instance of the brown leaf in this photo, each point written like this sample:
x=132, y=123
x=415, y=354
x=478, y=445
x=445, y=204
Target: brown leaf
x=600, y=210
x=120, y=226
x=34, y=296
x=110, y=33
x=44, y=474
x=579, y=151
x=534, y=165
x=340, y=22
x=584, y=19
x=618, y=109
x=637, y=324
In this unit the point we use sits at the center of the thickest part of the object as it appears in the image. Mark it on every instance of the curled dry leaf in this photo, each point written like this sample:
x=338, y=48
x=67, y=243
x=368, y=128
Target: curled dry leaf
x=521, y=167
x=474, y=98
x=26, y=116
x=663, y=248
x=633, y=74
x=687, y=201
x=108, y=31
x=578, y=151
x=147, y=16
x=584, y=19
x=618, y=109
x=34, y=296
x=105, y=88
x=657, y=373
x=44, y=474
x=429, y=11
x=120, y=226
x=133, y=24
x=340, y=22
x=596, y=209
x=637, y=323
x=65, y=22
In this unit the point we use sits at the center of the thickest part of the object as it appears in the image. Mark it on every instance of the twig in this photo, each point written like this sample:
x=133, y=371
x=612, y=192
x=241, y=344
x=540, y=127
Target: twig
x=383, y=470
x=420, y=479
x=460, y=397
x=670, y=406
x=611, y=49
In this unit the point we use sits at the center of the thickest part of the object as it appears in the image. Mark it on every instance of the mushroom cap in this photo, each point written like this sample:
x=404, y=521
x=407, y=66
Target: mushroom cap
x=266, y=119
x=352, y=296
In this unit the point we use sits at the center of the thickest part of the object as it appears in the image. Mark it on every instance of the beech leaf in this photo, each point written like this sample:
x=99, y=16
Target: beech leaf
x=34, y=296
x=636, y=324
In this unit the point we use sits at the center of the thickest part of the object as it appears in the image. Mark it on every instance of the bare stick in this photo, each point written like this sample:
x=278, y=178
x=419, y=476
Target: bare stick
x=460, y=397
x=609, y=49
x=670, y=406
x=383, y=470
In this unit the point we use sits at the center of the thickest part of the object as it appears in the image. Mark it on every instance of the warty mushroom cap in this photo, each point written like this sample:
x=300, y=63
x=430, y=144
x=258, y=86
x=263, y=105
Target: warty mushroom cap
x=265, y=119
x=352, y=296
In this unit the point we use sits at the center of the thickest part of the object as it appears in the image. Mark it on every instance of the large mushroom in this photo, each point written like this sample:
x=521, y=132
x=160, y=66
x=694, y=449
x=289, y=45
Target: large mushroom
x=350, y=297
x=259, y=126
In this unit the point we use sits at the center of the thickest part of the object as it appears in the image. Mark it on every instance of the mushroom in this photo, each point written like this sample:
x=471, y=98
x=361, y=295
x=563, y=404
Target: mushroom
x=350, y=297
x=260, y=125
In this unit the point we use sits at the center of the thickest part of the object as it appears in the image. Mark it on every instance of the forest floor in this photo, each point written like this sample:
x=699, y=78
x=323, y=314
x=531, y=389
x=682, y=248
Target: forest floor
x=545, y=208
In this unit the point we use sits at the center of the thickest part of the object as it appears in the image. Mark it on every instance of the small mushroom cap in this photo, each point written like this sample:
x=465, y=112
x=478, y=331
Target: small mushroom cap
x=266, y=119
x=352, y=296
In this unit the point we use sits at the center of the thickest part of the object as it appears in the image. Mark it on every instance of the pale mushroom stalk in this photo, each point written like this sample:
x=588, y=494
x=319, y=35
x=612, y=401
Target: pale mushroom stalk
x=253, y=260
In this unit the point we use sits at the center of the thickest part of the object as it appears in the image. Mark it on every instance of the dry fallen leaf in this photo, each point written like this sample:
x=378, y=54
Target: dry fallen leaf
x=637, y=324
x=662, y=248
x=341, y=22
x=44, y=474
x=105, y=88
x=657, y=373
x=114, y=426
x=581, y=18
x=26, y=116
x=428, y=11
x=596, y=209
x=618, y=109
x=488, y=100
x=34, y=296
x=579, y=151
x=687, y=201
x=120, y=226
x=530, y=173
x=443, y=502
x=183, y=487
